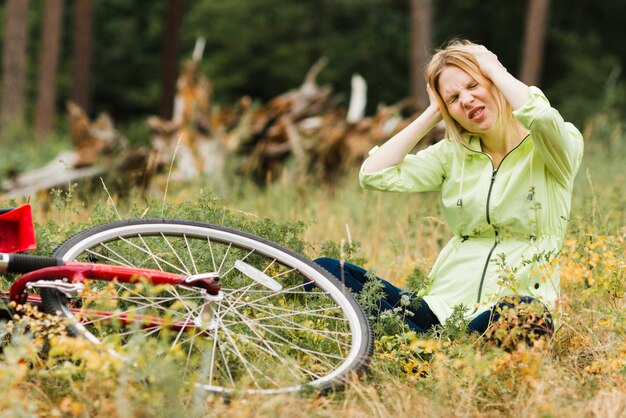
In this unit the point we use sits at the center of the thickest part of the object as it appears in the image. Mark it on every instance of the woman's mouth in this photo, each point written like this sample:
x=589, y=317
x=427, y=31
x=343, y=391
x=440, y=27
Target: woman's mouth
x=476, y=113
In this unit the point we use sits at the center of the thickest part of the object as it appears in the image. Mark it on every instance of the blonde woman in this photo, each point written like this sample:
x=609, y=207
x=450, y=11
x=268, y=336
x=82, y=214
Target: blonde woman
x=505, y=174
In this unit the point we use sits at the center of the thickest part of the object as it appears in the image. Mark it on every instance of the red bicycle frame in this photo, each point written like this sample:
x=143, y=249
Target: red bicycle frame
x=76, y=272
x=17, y=235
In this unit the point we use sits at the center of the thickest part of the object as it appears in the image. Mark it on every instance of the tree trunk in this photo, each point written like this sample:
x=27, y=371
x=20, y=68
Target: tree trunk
x=170, y=58
x=14, y=60
x=81, y=84
x=48, y=66
x=421, y=23
x=534, y=40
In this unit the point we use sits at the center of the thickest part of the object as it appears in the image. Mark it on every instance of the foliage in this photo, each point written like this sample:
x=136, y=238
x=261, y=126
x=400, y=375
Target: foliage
x=417, y=282
x=449, y=372
x=283, y=52
x=602, y=92
x=17, y=158
x=264, y=48
x=345, y=251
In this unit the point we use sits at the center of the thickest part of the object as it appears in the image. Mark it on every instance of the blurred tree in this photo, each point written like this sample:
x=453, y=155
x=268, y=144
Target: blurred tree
x=263, y=48
x=534, y=40
x=584, y=51
x=421, y=43
x=169, y=66
x=48, y=66
x=496, y=24
x=127, y=59
x=81, y=82
x=14, y=60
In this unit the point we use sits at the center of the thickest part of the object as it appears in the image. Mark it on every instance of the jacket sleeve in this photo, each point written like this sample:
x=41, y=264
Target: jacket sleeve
x=558, y=143
x=420, y=172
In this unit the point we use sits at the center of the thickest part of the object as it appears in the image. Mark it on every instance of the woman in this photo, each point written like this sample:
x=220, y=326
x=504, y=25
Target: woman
x=505, y=173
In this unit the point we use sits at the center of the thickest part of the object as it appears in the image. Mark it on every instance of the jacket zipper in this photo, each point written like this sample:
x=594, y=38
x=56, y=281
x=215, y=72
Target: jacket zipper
x=493, y=179
x=495, y=244
x=482, y=276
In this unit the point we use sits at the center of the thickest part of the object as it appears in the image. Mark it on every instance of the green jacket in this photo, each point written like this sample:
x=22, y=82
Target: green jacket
x=509, y=223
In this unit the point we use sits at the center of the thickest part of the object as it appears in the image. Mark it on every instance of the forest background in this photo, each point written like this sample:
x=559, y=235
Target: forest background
x=122, y=57
x=263, y=48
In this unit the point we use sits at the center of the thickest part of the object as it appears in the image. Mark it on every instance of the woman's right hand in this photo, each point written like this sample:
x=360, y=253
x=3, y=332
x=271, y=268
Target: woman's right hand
x=434, y=104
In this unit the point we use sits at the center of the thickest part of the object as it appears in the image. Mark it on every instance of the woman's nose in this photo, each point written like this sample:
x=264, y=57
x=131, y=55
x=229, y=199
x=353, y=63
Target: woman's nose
x=467, y=99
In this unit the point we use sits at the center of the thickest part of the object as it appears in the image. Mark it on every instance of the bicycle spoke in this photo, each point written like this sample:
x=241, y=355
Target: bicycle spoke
x=240, y=259
x=212, y=256
x=191, y=258
x=150, y=300
x=212, y=364
x=291, y=313
x=169, y=244
x=248, y=322
x=243, y=360
x=313, y=353
x=262, y=349
x=147, y=252
x=284, y=291
x=224, y=259
x=152, y=256
x=109, y=259
x=300, y=327
x=267, y=348
x=149, y=331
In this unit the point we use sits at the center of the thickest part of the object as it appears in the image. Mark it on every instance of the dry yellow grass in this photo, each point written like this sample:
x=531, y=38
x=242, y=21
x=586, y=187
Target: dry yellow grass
x=580, y=373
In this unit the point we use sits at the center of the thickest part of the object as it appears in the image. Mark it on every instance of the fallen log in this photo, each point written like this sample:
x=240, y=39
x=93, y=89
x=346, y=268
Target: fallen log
x=320, y=135
x=93, y=154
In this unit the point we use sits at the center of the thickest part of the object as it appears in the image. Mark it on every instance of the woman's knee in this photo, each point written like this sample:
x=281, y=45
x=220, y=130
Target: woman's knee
x=327, y=262
x=352, y=276
x=520, y=318
x=526, y=306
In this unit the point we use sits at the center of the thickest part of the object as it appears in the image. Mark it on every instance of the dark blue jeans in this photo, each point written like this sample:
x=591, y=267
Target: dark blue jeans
x=423, y=318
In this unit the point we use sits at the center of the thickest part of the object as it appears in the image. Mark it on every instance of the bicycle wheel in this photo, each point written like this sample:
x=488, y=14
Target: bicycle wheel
x=280, y=322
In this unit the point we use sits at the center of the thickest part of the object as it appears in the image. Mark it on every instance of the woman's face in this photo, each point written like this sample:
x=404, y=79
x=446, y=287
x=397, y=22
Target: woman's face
x=469, y=103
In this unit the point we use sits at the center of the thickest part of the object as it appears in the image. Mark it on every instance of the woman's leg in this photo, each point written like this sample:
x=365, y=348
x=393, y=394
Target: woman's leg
x=355, y=278
x=523, y=314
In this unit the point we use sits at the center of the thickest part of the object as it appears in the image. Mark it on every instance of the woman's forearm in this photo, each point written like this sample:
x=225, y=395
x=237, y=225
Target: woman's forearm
x=392, y=152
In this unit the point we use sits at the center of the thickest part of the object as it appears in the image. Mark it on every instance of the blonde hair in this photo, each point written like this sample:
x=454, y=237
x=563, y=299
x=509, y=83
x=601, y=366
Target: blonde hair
x=455, y=53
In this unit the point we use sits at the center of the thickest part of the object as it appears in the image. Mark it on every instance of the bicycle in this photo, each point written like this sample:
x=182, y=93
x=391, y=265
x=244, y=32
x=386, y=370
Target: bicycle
x=249, y=315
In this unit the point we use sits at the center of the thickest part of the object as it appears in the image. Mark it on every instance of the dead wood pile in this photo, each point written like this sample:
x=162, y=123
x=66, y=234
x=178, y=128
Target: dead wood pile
x=303, y=132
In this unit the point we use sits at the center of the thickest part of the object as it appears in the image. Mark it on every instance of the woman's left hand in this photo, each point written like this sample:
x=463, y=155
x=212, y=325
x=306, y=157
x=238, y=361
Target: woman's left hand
x=487, y=60
x=515, y=92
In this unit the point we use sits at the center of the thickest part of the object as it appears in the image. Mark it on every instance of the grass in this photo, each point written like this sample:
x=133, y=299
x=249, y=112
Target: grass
x=582, y=372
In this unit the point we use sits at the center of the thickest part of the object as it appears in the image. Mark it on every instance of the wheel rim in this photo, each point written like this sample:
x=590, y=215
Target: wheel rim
x=252, y=337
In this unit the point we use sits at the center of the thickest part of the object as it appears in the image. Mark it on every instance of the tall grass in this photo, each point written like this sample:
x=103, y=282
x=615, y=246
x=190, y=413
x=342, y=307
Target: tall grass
x=581, y=372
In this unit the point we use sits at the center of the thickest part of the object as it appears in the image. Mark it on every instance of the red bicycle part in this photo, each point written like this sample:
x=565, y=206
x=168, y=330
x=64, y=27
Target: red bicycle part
x=76, y=272
x=144, y=321
x=17, y=232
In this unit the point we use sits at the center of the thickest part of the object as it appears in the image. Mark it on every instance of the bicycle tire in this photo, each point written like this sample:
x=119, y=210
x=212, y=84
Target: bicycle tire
x=312, y=324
